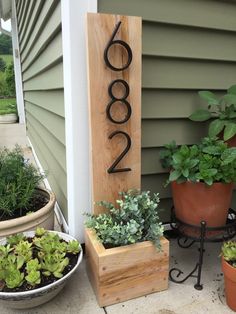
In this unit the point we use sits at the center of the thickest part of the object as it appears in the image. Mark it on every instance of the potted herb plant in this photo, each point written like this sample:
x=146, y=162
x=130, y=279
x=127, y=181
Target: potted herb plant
x=124, y=258
x=34, y=266
x=8, y=112
x=23, y=204
x=201, y=179
x=222, y=111
x=229, y=270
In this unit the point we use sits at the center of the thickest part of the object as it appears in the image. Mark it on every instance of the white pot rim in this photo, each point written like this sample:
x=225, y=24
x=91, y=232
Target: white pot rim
x=65, y=237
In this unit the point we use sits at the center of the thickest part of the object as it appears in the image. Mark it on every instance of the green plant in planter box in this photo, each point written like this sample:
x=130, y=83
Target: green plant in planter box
x=222, y=110
x=136, y=219
x=210, y=161
x=229, y=252
x=18, y=182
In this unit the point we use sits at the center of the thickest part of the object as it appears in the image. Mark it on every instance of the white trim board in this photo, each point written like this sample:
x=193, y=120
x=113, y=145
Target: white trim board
x=73, y=14
x=17, y=65
x=60, y=218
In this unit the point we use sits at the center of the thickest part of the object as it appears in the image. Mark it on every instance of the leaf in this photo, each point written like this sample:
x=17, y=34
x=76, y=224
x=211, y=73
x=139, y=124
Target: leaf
x=230, y=98
x=185, y=173
x=232, y=90
x=230, y=131
x=228, y=156
x=216, y=127
x=200, y=115
x=174, y=175
x=209, y=97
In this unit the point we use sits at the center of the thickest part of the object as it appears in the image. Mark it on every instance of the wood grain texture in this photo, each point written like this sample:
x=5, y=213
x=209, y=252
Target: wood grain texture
x=126, y=272
x=104, y=151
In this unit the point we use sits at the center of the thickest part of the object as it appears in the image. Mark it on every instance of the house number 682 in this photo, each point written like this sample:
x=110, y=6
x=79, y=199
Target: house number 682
x=122, y=99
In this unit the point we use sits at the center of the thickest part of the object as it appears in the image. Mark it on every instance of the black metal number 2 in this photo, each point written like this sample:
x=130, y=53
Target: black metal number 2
x=114, y=99
x=113, y=169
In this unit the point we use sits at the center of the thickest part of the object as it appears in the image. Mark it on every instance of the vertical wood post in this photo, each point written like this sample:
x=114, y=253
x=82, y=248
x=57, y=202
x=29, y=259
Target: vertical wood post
x=114, y=53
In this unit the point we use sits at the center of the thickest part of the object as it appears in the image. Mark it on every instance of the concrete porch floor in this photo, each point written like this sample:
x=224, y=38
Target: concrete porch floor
x=78, y=296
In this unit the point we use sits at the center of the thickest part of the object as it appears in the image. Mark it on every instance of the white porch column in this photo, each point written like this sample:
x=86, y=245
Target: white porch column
x=17, y=65
x=76, y=111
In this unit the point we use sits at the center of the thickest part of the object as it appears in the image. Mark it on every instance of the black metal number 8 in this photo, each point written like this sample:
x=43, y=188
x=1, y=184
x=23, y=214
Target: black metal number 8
x=121, y=43
x=115, y=99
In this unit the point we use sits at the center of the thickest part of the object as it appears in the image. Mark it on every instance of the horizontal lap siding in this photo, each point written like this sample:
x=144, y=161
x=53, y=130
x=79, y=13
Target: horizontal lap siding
x=39, y=24
x=188, y=45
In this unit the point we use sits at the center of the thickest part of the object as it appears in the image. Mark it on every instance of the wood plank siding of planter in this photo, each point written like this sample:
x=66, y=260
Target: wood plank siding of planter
x=188, y=46
x=40, y=40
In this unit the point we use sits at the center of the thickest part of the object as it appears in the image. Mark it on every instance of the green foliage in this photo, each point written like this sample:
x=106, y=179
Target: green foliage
x=18, y=263
x=5, y=44
x=135, y=220
x=7, y=106
x=210, y=161
x=222, y=110
x=166, y=154
x=229, y=252
x=18, y=182
x=2, y=65
x=72, y=247
x=10, y=79
x=15, y=239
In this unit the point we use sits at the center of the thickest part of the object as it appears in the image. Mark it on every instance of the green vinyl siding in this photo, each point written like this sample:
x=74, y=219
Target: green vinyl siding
x=188, y=45
x=40, y=40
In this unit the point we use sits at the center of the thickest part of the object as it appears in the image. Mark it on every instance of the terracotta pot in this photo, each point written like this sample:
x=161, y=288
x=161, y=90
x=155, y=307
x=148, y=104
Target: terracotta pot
x=38, y=296
x=230, y=284
x=196, y=202
x=231, y=142
x=43, y=217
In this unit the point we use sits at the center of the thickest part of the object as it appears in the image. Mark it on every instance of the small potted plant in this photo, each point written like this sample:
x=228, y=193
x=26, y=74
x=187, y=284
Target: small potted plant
x=222, y=111
x=34, y=266
x=8, y=112
x=229, y=270
x=201, y=178
x=127, y=255
x=23, y=204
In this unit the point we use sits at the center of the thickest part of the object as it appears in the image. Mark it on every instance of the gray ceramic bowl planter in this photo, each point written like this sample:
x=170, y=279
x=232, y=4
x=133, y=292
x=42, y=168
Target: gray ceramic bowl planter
x=36, y=297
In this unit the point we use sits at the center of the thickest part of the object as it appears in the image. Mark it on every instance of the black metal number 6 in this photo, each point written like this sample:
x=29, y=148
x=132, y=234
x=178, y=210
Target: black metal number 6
x=113, y=169
x=121, y=43
x=115, y=99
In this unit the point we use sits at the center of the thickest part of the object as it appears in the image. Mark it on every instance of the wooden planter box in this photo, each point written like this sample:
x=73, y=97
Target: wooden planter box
x=126, y=272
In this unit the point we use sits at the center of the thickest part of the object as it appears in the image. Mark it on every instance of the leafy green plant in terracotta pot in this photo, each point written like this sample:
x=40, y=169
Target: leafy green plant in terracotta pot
x=34, y=266
x=23, y=204
x=202, y=178
x=229, y=270
x=124, y=259
x=222, y=111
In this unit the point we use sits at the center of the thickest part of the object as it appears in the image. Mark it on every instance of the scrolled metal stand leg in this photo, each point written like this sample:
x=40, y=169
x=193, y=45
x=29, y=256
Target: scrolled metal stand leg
x=198, y=285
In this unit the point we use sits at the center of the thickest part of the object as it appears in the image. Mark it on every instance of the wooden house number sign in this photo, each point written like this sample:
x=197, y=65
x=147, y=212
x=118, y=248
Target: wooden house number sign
x=114, y=84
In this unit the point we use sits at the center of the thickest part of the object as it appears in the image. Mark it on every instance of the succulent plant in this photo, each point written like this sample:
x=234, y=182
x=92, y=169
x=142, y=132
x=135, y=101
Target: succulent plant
x=229, y=252
x=24, y=260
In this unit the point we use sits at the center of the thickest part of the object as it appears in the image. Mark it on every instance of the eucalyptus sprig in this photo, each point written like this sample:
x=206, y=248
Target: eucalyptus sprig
x=136, y=219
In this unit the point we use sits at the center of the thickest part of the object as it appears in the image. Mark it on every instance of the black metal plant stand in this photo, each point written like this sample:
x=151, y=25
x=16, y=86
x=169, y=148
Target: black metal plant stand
x=189, y=234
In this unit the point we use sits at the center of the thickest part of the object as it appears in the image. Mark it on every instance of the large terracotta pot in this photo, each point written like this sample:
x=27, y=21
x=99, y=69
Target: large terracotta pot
x=43, y=217
x=231, y=142
x=230, y=284
x=196, y=202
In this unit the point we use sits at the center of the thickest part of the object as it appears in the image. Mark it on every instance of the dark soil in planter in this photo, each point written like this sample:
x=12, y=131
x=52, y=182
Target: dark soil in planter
x=38, y=201
x=45, y=280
